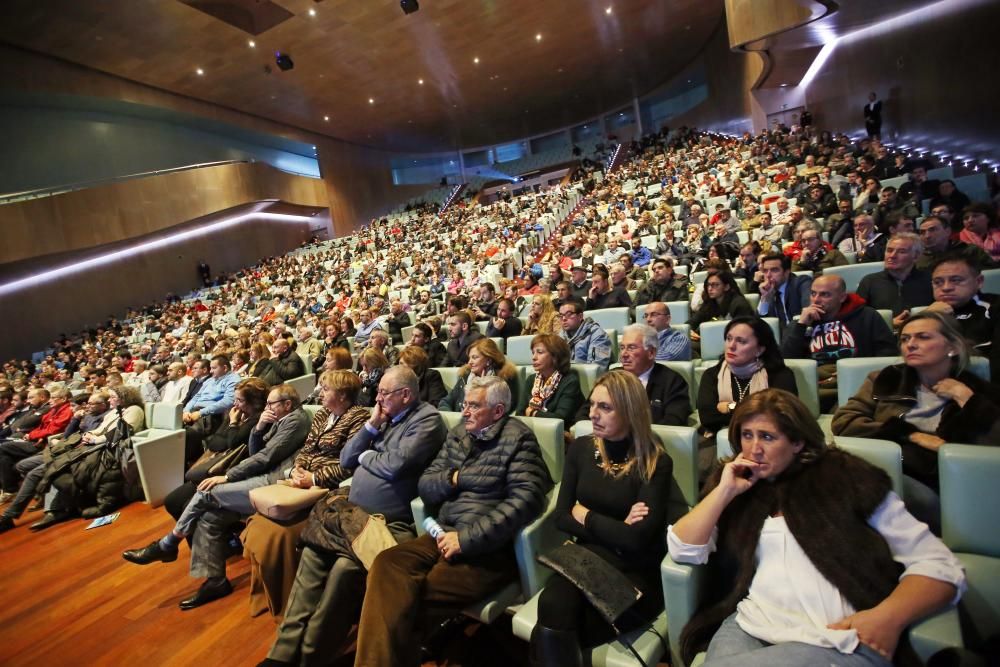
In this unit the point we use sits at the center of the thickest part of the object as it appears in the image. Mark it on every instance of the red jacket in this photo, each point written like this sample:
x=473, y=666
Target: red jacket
x=53, y=422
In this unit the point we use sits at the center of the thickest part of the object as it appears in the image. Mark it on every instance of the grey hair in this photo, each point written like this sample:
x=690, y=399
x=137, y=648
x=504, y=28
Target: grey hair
x=918, y=246
x=497, y=391
x=405, y=377
x=650, y=338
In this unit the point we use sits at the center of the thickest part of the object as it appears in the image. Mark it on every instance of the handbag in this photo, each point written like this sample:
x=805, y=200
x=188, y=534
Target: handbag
x=211, y=464
x=373, y=539
x=607, y=589
x=282, y=502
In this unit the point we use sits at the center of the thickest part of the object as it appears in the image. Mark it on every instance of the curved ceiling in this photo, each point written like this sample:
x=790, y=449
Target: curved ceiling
x=492, y=70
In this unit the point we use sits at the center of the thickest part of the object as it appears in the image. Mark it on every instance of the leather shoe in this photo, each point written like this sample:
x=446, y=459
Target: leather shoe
x=50, y=519
x=6, y=523
x=150, y=554
x=207, y=593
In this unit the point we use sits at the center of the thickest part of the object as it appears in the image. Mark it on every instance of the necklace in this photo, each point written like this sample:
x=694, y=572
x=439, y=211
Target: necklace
x=741, y=390
x=614, y=468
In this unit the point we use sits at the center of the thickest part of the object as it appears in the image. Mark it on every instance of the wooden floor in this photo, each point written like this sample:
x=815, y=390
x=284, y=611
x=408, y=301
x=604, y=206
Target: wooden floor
x=68, y=598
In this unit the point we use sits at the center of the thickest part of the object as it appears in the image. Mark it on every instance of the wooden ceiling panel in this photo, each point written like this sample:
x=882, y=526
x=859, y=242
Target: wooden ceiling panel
x=587, y=61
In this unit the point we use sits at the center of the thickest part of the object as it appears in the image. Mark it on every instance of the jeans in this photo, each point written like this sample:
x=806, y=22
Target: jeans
x=33, y=470
x=732, y=647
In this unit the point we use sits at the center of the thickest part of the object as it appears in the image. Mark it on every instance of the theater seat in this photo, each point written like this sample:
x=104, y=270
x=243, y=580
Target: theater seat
x=853, y=273
x=610, y=318
x=159, y=452
x=519, y=350
x=449, y=375
x=883, y=454
x=588, y=374
x=851, y=373
x=303, y=385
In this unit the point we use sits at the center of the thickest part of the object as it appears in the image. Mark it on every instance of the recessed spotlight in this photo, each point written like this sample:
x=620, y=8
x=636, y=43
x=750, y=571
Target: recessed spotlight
x=314, y=148
x=538, y=37
x=326, y=118
x=200, y=72
x=476, y=60
x=608, y=11
x=371, y=100
x=420, y=81
x=312, y=12
x=252, y=44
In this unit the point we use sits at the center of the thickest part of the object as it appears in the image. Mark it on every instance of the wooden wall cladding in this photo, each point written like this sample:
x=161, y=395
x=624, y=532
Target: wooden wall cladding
x=105, y=214
x=751, y=20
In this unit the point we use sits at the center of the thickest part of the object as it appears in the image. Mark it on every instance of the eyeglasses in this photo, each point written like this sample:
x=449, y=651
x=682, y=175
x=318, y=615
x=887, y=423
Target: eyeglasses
x=280, y=400
x=390, y=392
x=713, y=284
x=472, y=407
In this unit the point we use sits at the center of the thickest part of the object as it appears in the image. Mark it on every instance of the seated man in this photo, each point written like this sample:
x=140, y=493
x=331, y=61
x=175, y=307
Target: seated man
x=666, y=285
x=835, y=325
x=817, y=254
x=957, y=284
x=200, y=372
x=669, y=396
x=28, y=416
x=222, y=500
x=286, y=362
x=866, y=243
x=462, y=333
x=308, y=345
x=579, y=285
x=178, y=383
x=640, y=255
x=203, y=413
x=587, y=339
x=603, y=295
x=505, y=323
x=935, y=234
x=484, y=306
x=783, y=294
x=52, y=422
x=671, y=344
x=900, y=286
x=369, y=323
x=488, y=481
x=388, y=455
x=379, y=340
x=397, y=319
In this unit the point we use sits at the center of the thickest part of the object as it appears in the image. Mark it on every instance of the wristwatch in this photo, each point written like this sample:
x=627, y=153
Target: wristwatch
x=731, y=405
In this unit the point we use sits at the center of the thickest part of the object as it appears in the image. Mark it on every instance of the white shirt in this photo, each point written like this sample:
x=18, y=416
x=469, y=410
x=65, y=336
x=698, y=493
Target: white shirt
x=790, y=601
x=175, y=391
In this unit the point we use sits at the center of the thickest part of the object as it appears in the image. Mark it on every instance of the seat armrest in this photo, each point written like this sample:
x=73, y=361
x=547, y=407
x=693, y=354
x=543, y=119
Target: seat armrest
x=682, y=585
x=419, y=512
x=538, y=537
x=936, y=632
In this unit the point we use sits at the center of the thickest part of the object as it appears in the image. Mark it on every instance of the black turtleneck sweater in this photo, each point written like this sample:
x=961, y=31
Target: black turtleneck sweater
x=637, y=547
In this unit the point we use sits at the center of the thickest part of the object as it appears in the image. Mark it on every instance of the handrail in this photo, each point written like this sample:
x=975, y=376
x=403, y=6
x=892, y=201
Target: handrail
x=38, y=193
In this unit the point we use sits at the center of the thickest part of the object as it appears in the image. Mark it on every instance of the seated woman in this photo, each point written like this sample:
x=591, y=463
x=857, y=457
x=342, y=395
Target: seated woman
x=926, y=401
x=423, y=337
x=432, y=388
x=93, y=485
x=613, y=501
x=456, y=285
x=543, y=318
x=372, y=364
x=531, y=285
x=261, y=365
x=722, y=301
x=751, y=363
x=553, y=390
x=271, y=545
x=485, y=358
x=827, y=565
x=226, y=446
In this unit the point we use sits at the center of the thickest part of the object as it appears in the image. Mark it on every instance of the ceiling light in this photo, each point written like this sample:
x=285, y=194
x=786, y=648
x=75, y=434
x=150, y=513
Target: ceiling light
x=538, y=37
x=314, y=148
x=608, y=11
x=252, y=44
x=420, y=81
x=200, y=71
x=326, y=118
x=371, y=100
x=312, y=12
x=476, y=60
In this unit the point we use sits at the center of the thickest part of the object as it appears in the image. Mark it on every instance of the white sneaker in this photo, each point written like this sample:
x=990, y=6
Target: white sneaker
x=6, y=496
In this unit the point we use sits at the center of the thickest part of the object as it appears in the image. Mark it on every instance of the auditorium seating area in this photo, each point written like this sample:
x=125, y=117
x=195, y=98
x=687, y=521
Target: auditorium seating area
x=394, y=258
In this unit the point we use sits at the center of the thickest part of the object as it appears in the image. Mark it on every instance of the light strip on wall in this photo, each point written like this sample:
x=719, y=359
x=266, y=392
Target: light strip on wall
x=130, y=251
x=931, y=12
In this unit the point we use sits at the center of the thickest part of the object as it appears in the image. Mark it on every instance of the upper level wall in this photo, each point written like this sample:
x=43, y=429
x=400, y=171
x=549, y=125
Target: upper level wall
x=105, y=214
x=931, y=70
x=358, y=179
x=56, y=146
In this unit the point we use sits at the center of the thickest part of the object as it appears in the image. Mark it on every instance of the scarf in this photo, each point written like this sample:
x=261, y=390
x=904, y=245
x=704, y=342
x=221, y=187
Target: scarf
x=542, y=390
x=754, y=370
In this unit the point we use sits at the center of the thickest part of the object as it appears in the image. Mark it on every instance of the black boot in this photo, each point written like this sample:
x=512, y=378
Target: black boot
x=554, y=648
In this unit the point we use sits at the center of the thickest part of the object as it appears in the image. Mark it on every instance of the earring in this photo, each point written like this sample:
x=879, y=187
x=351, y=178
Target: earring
x=951, y=354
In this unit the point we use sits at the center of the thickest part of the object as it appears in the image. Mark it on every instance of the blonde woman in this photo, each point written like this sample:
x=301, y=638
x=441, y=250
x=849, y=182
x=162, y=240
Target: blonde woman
x=613, y=501
x=542, y=316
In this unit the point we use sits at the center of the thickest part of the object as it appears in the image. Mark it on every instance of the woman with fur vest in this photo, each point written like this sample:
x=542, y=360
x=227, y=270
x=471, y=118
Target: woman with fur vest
x=825, y=564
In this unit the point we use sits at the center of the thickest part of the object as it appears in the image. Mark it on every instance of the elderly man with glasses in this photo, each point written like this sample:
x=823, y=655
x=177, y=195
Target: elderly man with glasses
x=222, y=500
x=672, y=345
